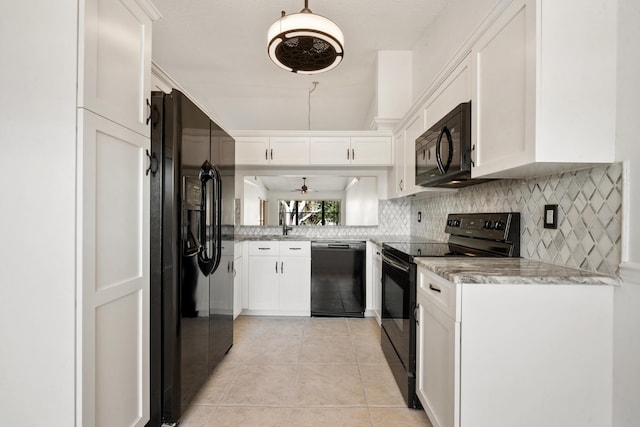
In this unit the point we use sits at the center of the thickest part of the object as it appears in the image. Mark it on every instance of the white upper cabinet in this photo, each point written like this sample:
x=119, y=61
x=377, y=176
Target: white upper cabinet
x=330, y=150
x=354, y=150
x=289, y=150
x=371, y=150
x=273, y=148
x=115, y=60
x=544, y=96
x=405, y=158
x=264, y=150
x=252, y=150
x=396, y=175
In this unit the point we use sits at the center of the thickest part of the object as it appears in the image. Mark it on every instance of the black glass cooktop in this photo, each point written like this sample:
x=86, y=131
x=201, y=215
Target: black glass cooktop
x=413, y=249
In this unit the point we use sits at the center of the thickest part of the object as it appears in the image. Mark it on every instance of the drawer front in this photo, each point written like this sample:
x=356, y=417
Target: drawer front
x=264, y=248
x=295, y=248
x=441, y=292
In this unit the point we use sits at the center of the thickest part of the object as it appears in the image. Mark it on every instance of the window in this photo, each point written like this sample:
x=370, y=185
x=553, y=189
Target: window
x=309, y=212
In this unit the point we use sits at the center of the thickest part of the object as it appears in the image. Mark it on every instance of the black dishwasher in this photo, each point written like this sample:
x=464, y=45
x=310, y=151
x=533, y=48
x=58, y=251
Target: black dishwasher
x=338, y=278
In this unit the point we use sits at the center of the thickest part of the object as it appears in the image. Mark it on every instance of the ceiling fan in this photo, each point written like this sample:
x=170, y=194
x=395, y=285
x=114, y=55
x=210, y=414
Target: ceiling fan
x=304, y=189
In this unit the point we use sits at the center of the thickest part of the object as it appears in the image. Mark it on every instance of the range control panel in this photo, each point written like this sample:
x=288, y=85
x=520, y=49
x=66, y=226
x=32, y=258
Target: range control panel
x=502, y=226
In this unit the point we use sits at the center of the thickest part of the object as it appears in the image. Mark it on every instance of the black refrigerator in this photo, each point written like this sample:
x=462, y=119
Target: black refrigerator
x=192, y=211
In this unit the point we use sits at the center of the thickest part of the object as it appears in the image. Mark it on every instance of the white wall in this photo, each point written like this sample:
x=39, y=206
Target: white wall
x=37, y=221
x=626, y=411
x=444, y=37
x=253, y=193
x=360, y=207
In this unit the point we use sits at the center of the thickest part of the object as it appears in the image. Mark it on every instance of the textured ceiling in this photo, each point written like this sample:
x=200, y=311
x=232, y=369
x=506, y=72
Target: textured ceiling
x=216, y=50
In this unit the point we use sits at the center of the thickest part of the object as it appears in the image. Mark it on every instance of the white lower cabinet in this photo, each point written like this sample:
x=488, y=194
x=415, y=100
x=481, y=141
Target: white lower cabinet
x=374, y=288
x=503, y=355
x=237, y=286
x=438, y=349
x=264, y=283
x=222, y=284
x=279, y=278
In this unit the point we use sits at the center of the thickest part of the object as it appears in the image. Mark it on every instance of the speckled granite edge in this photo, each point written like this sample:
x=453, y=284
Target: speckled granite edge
x=515, y=271
x=377, y=239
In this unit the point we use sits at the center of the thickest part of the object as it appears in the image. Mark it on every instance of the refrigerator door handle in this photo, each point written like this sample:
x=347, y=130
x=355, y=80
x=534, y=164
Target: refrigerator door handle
x=209, y=263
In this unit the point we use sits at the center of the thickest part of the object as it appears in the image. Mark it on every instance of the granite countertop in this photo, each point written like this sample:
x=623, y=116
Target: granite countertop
x=510, y=271
x=378, y=239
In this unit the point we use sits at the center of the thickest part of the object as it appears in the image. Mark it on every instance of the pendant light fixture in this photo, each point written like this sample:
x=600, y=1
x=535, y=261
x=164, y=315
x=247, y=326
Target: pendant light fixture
x=305, y=43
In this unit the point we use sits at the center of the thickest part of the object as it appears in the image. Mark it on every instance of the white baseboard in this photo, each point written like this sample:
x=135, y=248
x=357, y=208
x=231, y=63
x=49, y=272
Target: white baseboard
x=630, y=273
x=301, y=313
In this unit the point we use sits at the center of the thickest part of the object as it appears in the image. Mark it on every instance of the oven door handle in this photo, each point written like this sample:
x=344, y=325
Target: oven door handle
x=396, y=264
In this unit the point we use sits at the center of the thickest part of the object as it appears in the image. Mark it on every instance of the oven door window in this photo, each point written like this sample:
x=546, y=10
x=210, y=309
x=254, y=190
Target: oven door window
x=396, y=311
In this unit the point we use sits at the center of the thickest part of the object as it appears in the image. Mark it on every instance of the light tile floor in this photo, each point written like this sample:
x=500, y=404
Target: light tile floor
x=303, y=372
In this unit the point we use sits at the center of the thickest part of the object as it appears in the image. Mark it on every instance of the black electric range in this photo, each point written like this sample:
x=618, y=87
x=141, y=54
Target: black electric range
x=476, y=234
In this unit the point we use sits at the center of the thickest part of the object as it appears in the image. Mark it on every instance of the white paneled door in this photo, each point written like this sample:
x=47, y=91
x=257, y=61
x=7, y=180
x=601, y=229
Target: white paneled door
x=113, y=203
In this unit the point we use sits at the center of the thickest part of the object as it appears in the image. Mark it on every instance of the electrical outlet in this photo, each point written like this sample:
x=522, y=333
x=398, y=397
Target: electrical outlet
x=551, y=216
x=419, y=216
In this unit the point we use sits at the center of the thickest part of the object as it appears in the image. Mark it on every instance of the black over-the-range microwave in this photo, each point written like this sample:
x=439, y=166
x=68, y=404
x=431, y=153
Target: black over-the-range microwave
x=443, y=152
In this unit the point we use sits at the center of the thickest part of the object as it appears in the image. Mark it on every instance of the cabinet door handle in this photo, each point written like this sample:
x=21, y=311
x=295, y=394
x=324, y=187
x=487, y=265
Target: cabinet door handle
x=347, y=154
x=353, y=154
x=295, y=249
x=153, y=164
x=266, y=154
x=434, y=289
x=264, y=249
x=272, y=154
x=146, y=122
x=281, y=267
x=276, y=267
x=473, y=155
x=415, y=314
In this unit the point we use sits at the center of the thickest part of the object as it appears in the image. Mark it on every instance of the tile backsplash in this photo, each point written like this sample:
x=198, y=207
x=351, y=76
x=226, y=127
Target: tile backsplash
x=589, y=215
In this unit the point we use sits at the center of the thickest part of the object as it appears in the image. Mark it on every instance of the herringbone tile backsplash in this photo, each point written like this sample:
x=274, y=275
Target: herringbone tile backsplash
x=589, y=215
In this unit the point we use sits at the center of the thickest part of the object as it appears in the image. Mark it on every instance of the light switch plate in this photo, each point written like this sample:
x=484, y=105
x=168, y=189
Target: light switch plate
x=551, y=216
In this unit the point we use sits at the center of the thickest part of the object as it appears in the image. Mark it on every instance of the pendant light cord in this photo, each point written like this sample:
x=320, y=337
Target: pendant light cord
x=309, y=105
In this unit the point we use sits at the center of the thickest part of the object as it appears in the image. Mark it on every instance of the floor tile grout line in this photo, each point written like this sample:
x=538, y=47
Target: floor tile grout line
x=364, y=390
x=356, y=333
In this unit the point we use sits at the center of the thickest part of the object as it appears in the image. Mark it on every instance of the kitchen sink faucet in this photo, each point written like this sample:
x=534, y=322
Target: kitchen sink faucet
x=285, y=229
